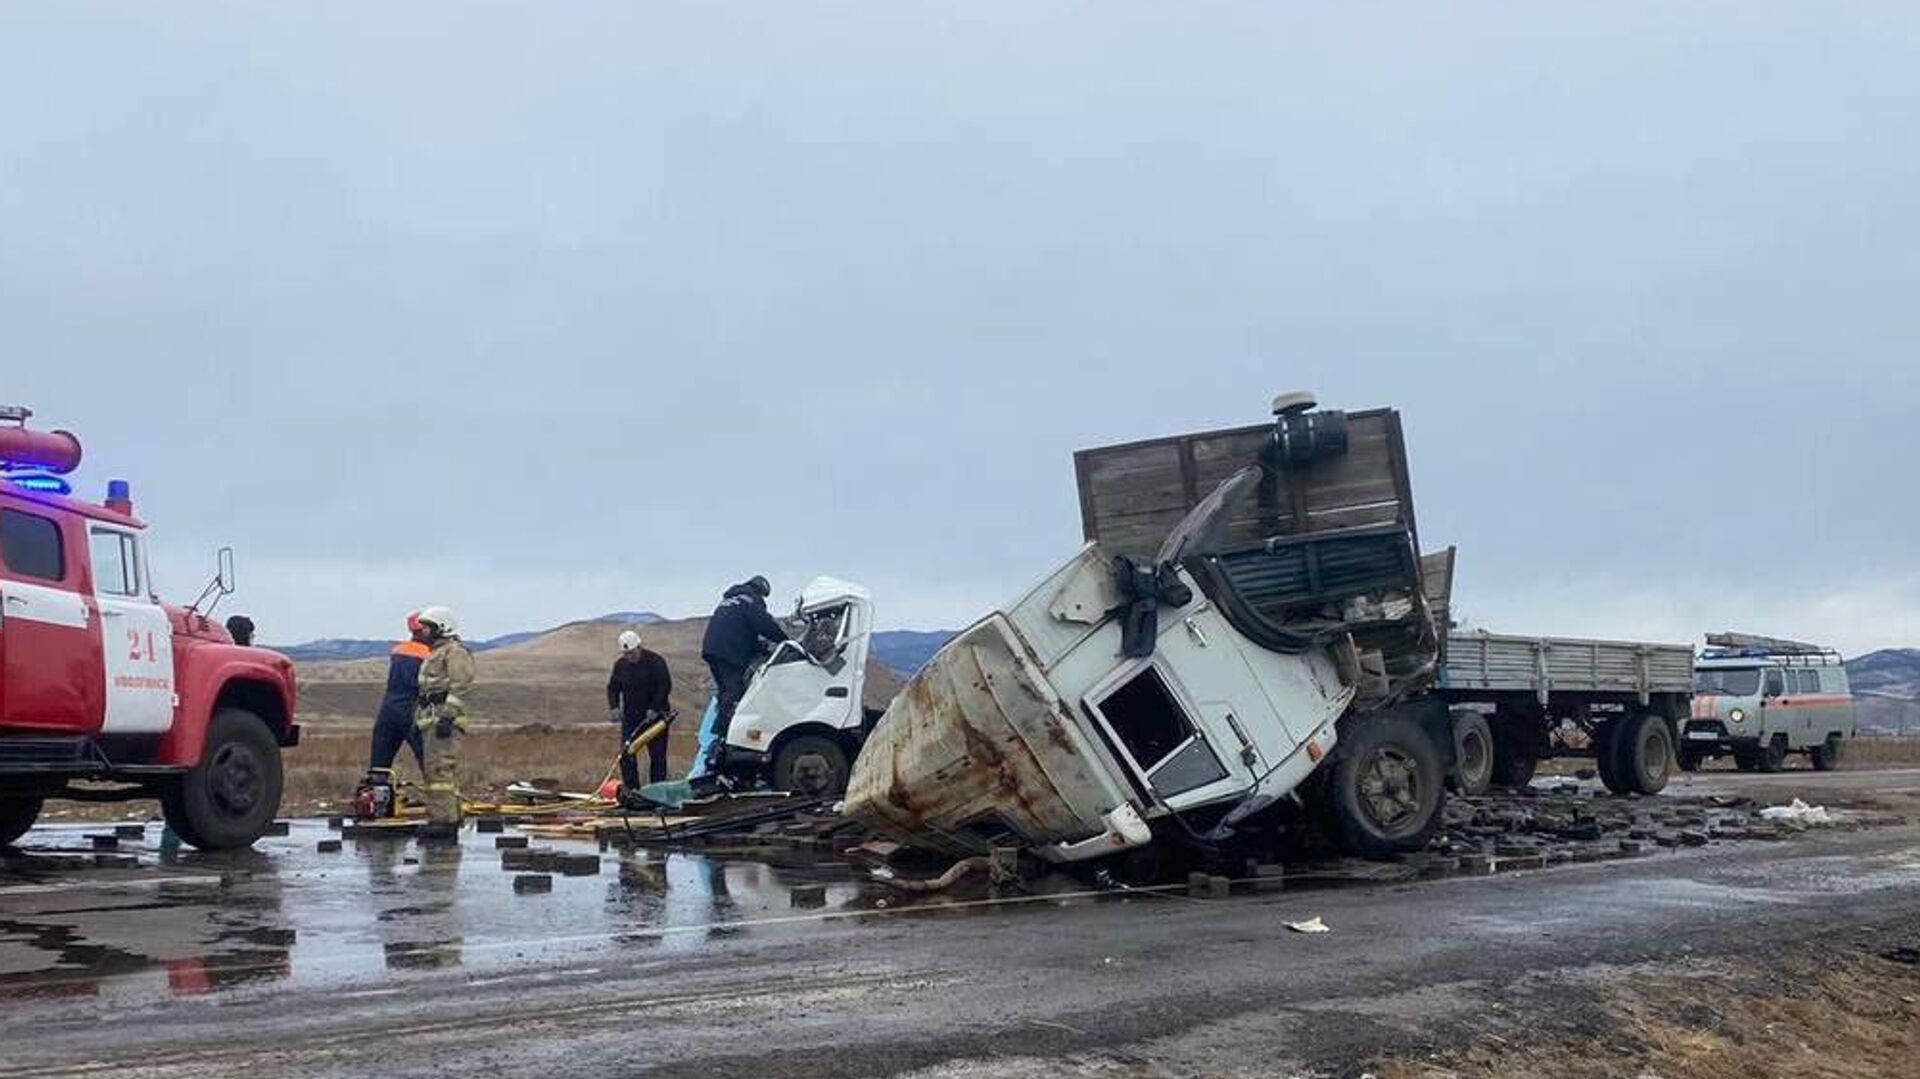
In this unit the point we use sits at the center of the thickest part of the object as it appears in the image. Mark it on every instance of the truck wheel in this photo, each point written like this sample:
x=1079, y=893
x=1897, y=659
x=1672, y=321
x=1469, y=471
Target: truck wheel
x=810, y=764
x=1513, y=759
x=1472, y=752
x=1385, y=789
x=1774, y=756
x=1826, y=756
x=229, y=798
x=16, y=818
x=1606, y=755
x=1643, y=753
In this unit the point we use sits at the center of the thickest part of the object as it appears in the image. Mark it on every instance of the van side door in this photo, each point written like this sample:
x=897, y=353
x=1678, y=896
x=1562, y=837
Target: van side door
x=1775, y=718
x=49, y=641
x=136, y=637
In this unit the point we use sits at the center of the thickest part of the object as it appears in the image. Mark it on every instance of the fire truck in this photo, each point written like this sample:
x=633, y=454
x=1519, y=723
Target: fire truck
x=108, y=694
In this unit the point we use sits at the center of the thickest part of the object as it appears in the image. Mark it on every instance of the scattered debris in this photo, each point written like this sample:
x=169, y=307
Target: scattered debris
x=1798, y=812
x=1311, y=925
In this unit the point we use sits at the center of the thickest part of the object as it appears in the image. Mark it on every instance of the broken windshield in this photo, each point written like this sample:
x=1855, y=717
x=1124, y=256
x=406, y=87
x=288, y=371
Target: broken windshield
x=1204, y=529
x=1727, y=681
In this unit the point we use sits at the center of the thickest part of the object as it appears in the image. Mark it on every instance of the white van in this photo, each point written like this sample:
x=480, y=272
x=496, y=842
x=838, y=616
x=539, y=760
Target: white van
x=1758, y=699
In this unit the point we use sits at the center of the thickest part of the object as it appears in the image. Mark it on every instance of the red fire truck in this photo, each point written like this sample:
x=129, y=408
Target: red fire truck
x=106, y=693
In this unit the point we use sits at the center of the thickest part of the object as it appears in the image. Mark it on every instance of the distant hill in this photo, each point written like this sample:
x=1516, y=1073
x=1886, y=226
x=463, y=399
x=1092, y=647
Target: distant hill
x=344, y=649
x=904, y=651
x=1886, y=689
x=1890, y=672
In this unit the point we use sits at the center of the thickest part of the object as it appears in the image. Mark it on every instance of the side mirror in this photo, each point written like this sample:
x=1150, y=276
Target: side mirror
x=225, y=574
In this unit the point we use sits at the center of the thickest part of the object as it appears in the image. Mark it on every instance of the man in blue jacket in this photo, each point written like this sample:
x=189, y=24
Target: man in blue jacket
x=393, y=726
x=732, y=643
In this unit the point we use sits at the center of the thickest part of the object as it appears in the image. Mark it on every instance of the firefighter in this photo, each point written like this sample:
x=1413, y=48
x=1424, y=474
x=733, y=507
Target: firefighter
x=393, y=724
x=440, y=714
x=637, y=696
x=731, y=644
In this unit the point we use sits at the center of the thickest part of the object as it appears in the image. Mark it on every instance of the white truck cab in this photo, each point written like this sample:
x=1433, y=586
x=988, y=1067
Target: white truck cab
x=802, y=719
x=1267, y=645
x=1757, y=699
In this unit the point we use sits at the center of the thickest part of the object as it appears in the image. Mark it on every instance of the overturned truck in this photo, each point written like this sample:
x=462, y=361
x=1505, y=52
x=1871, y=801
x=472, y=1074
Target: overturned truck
x=1247, y=628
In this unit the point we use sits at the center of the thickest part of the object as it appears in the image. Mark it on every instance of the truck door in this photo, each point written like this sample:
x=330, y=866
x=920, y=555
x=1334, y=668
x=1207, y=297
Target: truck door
x=1155, y=731
x=136, y=636
x=49, y=645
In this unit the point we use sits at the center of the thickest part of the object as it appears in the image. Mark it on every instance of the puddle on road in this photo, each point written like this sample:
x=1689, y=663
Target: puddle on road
x=192, y=923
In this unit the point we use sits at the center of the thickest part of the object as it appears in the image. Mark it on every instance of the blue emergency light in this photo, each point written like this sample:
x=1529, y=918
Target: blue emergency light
x=38, y=482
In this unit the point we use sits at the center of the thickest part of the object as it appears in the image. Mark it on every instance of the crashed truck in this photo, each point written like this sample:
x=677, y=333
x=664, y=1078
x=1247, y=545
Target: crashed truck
x=1249, y=639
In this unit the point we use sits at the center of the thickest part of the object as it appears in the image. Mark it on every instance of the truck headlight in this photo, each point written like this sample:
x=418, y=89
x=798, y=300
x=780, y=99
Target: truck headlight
x=1738, y=715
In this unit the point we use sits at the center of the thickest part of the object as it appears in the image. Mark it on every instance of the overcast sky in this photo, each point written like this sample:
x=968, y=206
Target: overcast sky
x=543, y=310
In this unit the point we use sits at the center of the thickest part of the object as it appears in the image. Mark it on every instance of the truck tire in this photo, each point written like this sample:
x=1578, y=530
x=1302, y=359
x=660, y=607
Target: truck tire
x=1606, y=755
x=1513, y=758
x=1384, y=793
x=1643, y=753
x=1773, y=756
x=811, y=764
x=16, y=818
x=1472, y=752
x=227, y=800
x=1826, y=755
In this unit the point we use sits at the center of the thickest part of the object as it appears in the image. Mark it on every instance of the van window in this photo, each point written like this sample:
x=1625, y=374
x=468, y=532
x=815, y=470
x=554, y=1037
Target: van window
x=30, y=546
x=116, y=563
x=1775, y=684
x=1727, y=681
x=1146, y=719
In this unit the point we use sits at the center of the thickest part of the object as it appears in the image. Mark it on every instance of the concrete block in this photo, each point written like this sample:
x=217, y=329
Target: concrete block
x=1219, y=887
x=1196, y=885
x=105, y=842
x=336, y=823
x=1269, y=878
x=541, y=860
x=130, y=831
x=516, y=858
x=279, y=828
x=1633, y=847
x=509, y=842
x=577, y=865
x=328, y=846
x=1476, y=865
x=489, y=825
x=808, y=896
x=532, y=883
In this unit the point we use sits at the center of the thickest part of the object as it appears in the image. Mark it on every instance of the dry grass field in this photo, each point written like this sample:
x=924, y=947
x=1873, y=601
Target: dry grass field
x=1840, y=1013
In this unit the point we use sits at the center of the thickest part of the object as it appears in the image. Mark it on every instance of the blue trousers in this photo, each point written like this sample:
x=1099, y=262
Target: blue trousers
x=389, y=736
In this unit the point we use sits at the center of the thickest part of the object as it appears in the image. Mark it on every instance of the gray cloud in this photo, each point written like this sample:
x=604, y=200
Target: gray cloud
x=542, y=311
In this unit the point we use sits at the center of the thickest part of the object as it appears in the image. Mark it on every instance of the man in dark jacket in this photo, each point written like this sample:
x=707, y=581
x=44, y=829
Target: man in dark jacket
x=732, y=642
x=394, y=726
x=637, y=694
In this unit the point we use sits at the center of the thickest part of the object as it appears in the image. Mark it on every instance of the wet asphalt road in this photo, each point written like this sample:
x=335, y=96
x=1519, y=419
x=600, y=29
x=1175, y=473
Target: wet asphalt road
x=387, y=959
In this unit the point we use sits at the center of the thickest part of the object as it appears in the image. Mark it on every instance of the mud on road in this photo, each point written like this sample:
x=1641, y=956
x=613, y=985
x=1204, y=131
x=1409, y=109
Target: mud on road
x=388, y=957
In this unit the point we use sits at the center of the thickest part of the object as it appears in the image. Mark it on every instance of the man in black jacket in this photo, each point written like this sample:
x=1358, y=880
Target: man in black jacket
x=637, y=694
x=732, y=642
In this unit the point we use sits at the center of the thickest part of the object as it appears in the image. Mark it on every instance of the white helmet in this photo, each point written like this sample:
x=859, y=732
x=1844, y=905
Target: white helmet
x=441, y=619
x=629, y=640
